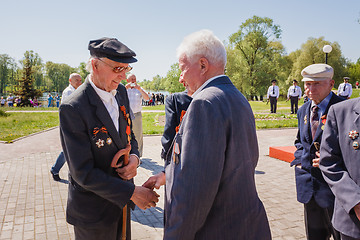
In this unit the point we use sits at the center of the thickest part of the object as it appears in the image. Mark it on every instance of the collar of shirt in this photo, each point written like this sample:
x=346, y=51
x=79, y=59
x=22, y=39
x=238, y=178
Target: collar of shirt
x=111, y=105
x=323, y=104
x=71, y=87
x=205, y=84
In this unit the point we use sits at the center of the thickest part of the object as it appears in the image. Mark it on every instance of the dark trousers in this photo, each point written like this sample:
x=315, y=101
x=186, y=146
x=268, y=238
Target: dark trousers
x=345, y=237
x=111, y=232
x=294, y=104
x=318, y=222
x=273, y=102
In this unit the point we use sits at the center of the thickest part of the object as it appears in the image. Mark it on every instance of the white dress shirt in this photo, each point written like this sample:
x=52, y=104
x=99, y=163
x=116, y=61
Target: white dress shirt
x=67, y=92
x=347, y=91
x=135, y=99
x=294, y=91
x=108, y=98
x=273, y=91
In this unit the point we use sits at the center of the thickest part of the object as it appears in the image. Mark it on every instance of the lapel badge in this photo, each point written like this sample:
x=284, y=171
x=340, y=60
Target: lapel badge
x=353, y=134
x=108, y=141
x=100, y=143
x=305, y=119
x=355, y=145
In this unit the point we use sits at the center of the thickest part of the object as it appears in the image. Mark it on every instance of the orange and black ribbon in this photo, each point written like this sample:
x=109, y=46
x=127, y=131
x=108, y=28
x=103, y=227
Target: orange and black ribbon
x=97, y=130
x=181, y=118
x=127, y=119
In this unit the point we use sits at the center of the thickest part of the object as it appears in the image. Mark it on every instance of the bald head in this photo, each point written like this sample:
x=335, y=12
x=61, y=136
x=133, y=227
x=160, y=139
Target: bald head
x=75, y=80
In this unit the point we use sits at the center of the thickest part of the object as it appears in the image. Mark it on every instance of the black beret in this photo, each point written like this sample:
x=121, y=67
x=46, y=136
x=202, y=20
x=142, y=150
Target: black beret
x=112, y=49
x=274, y=80
x=294, y=80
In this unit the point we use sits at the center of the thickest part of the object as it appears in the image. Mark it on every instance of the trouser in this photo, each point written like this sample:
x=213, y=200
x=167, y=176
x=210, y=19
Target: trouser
x=294, y=104
x=110, y=232
x=318, y=222
x=138, y=131
x=273, y=102
x=55, y=169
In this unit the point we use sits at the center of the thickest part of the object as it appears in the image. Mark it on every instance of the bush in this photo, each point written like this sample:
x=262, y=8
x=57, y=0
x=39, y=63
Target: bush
x=3, y=113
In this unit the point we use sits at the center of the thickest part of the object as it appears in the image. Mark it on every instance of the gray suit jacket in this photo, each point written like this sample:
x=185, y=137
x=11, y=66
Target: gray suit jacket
x=90, y=140
x=340, y=164
x=210, y=186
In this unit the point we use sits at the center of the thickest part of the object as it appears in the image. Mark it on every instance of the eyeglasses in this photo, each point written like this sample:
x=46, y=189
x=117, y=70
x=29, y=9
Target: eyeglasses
x=118, y=69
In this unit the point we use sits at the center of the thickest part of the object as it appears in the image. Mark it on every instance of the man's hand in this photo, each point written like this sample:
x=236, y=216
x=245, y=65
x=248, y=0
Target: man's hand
x=316, y=161
x=357, y=210
x=129, y=171
x=155, y=181
x=144, y=198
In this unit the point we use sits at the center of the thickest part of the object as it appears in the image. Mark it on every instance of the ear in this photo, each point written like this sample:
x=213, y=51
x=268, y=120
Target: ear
x=204, y=64
x=94, y=64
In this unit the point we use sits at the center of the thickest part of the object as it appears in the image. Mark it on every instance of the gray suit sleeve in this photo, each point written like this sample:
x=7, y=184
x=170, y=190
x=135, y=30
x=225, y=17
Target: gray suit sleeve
x=332, y=165
x=199, y=172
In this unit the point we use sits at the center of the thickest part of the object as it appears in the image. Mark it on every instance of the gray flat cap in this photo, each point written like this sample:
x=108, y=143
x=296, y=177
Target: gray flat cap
x=317, y=72
x=112, y=49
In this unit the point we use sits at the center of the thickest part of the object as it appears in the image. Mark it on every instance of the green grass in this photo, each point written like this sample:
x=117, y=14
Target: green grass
x=151, y=123
x=15, y=125
x=156, y=107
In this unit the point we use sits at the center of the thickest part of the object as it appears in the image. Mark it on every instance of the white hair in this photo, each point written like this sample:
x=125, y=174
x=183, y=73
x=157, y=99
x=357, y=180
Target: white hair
x=74, y=75
x=89, y=67
x=204, y=44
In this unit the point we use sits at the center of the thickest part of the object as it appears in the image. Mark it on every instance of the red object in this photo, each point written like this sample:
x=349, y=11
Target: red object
x=283, y=153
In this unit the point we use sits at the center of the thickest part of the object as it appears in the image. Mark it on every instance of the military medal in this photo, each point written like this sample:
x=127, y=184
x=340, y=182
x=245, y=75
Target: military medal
x=176, y=153
x=353, y=134
x=305, y=119
x=322, y=127
x=355, y=145
x=100, y=143
x=108, y=141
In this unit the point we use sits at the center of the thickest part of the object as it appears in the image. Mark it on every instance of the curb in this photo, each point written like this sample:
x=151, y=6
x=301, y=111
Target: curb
x=17, y=139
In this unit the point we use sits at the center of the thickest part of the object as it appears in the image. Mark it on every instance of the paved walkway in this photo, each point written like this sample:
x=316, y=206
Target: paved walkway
x=32, y=205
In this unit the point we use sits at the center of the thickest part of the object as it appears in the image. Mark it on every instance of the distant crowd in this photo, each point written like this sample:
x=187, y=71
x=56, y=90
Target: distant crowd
x=155, y=99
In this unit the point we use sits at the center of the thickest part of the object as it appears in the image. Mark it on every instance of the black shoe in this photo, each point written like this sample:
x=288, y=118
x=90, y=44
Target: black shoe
x=56, y=177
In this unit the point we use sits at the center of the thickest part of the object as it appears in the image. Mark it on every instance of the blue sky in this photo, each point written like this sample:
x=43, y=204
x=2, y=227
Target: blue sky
x=59, y=31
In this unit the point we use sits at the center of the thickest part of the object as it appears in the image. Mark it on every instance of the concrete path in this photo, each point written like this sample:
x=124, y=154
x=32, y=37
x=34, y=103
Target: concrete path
x=32, y=205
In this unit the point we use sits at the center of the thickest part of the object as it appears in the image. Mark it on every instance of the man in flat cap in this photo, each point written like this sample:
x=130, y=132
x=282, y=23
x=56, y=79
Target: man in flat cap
x=210, y=185
x=339, y=163
x=294, y=94
x=273, y=95
x=95, y=130
x=312, y=190
x=345, y=89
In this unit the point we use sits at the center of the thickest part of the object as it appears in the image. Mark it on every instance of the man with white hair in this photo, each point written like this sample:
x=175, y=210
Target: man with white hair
x=136, y=94
x=210, y=185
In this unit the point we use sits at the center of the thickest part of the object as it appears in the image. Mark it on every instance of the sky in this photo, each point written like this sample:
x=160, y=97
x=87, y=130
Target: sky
x=59, y=31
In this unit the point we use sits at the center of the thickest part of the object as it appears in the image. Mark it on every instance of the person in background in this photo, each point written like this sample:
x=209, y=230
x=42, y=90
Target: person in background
x=273, y=95
x=75, y=81
x=10, y=100
x=294, y=94
x=210, y=185
x=136, y=94
x=345, y=89
x=312, y=190
x=50, y=100
x=2, y=101
x=57, y=99
x=339, y=164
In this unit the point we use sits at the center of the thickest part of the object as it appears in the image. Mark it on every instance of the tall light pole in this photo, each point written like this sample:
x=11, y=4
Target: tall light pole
x=327, y=49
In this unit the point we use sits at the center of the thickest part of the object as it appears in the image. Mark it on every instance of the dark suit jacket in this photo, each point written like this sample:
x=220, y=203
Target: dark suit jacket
x=174, y=105
x=309, y=181
x=96, y=193
x=340, y=164
x=210, y=187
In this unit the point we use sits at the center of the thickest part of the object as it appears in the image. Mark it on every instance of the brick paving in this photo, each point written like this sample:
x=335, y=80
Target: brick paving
x=32, y=205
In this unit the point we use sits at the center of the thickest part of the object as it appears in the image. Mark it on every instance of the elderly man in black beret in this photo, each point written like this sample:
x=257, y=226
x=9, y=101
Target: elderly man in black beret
x=98, y=141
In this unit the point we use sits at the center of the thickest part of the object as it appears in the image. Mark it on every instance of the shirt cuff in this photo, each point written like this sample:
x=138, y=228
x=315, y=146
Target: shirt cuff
x=137, y=158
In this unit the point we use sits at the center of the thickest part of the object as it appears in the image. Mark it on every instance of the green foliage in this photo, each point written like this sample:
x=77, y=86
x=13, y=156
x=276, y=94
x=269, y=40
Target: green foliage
x=3, y=113
x=8, y=70
x=171, y=81
x=58, y=75
x=82, y=70
x=255, y=56
x=311, y=52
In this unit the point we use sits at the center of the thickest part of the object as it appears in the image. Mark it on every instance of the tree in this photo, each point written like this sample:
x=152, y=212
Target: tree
x=26, y=89
x=82, y=70
x=255, y=55
x=311, y=52
x=58, y=75
x=6, y=71
x=353, y=70
x=171, y=81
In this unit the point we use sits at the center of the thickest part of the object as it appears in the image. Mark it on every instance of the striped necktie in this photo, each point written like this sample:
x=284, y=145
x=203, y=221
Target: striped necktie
x=314, y=120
